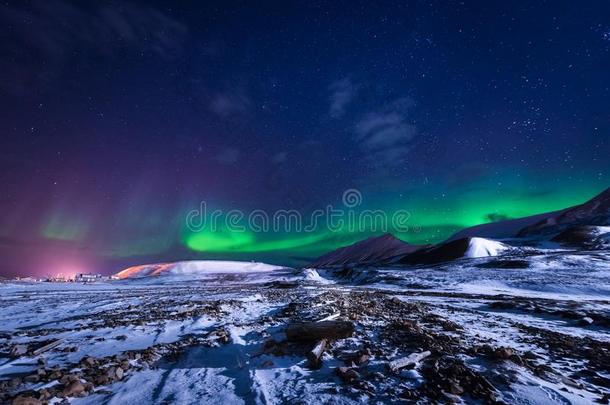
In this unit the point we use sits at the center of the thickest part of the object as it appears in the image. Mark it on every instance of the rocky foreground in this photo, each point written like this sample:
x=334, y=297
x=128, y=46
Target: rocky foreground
x=238, y=340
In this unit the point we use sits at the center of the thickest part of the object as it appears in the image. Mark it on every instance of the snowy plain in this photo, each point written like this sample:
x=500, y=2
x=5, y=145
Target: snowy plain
x=206, y=335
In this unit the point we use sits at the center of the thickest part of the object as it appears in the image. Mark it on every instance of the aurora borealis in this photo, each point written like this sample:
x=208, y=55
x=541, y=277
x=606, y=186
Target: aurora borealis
x=118, y=119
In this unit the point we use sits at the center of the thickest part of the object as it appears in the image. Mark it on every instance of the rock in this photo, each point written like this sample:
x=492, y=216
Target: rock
x=45, y=394
x=515, y=358
x=366, y=386
x=503, y=353
x=18, y=350
x=530, y=355
x=68, y=378
x=47, y=347
x=456, y=389
x=347, y=374
x=121, y=337
x=377, y=376
x=88, y=361
x=15, y=382
x=314, y=331
x=362, y=359
x=74, y=389
x=23, y=400
x=42, y=361
x=32, y=378
x=102, y=379
x=314, y=356
x=115, y=373
x=409, y=361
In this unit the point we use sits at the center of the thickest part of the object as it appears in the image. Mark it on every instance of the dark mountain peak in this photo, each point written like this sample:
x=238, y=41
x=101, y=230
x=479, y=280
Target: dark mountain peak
x=594, y=212
x=375, y=249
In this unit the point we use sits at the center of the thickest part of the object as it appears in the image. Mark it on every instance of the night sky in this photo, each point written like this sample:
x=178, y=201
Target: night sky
x=118, y=118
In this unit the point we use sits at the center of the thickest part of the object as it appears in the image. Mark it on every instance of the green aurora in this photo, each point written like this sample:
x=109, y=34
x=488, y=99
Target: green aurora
x=434, y=216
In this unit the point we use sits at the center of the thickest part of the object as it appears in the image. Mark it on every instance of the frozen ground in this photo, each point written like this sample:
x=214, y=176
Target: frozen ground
x=525, y=330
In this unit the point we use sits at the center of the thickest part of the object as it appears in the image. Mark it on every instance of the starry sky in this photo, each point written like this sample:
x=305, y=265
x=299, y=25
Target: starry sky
x=119, y=118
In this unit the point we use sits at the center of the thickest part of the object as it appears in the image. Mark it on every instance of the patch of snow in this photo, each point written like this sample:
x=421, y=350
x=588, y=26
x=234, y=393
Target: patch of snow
x=313, y=275
x=481, y=247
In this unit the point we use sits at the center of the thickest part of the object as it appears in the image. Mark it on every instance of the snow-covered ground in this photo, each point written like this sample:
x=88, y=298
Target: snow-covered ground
x=528, y=329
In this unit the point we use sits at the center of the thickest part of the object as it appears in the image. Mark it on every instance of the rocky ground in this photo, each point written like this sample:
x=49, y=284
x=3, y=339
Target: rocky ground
x=298, y=340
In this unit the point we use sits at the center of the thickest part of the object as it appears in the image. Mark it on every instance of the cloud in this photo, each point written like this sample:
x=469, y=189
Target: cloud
x=228, y=156
x=343, y=92
x=385, y=135
x=44, y=36
x=229, y=104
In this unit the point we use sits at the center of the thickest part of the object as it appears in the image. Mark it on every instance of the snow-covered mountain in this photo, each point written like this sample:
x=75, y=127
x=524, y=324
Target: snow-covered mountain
x=458, y=249
x=374, y=250
x=194, y=268
x=594, y=212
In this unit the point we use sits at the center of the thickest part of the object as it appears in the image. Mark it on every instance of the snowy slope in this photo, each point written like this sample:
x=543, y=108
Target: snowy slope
x=194, y=268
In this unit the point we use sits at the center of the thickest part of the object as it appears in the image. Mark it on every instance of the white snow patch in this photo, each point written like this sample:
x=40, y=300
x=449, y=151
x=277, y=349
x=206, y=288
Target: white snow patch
x=481, y=247
x=313, y=275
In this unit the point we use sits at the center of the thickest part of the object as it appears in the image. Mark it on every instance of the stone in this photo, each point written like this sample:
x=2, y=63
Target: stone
x=88, y=361
x=32, y=378
x=68, y=378
x=348, y=374
x=362, y=359
x=102, y=379
x=18, y=350
x=456, y=389
x=315, y=331
x=503, y=353
x=23, y=400
x=74, y=389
